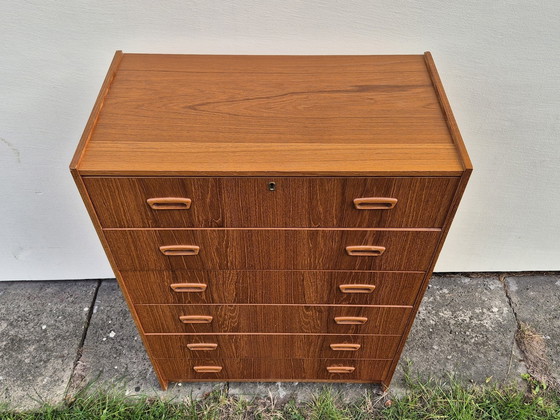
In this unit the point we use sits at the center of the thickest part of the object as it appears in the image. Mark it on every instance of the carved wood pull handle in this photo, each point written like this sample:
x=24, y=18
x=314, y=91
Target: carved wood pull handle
x=356, y=288
x=365, y=250
x=169, y=203
x=341, y=369
x=375, y=203
x=174, y=250
x=202, y=346
x=196, y=319
x=345, y=347
x=350, y=320
x=207, y=369
x=188, y=287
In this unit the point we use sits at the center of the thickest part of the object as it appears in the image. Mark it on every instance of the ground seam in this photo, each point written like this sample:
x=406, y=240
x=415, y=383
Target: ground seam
x=510, y=301
x=540, y=373
x=502, y=279
x=83, y=338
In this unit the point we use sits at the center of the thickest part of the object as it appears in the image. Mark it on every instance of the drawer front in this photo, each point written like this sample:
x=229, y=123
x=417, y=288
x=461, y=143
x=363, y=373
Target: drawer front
x=178, y=370
x=306, y=319
x=237, y=346
x=270, y=249
x=248, y=202
x=272, y=287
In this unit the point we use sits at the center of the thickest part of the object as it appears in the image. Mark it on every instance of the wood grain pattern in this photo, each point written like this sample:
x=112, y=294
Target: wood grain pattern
x=91, y=212
x=327, y=130
x=133, y=81
x=285, y=346
x=375, y=130
x=272, y=249
x=262, y=159
x=272, y=287
x=312, y=65
x=268, y=96
x=437, y=250
x=157, y=319
x=296, y=202
x=322, y=115
x=273, y=370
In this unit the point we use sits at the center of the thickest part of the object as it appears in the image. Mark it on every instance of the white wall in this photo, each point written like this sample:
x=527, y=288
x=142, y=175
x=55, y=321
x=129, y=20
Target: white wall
x=499, y=62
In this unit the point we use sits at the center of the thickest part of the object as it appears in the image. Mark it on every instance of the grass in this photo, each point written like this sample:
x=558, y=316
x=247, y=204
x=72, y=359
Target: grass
x=424, y=400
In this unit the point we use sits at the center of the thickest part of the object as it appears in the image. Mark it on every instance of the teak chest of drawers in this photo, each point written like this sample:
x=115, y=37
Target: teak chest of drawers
x=272, y=218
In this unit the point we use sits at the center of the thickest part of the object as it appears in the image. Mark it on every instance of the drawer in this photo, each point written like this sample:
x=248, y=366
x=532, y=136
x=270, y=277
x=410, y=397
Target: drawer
x=273, y=287
x=271, y=249
x=248, y=202
x=286, y=346
x=273, y=319
x=178, y=370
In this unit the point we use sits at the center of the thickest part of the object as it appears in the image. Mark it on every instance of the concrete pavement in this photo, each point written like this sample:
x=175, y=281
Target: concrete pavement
x=57, y=337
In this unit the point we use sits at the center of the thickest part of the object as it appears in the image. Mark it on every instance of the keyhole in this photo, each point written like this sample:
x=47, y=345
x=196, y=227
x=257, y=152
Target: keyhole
x=272, y=186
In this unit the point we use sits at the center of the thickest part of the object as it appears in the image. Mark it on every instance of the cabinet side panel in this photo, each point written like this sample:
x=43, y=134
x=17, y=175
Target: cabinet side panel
x=96, y=109
x=89, y=206
x=453, y=209
x=447, y=112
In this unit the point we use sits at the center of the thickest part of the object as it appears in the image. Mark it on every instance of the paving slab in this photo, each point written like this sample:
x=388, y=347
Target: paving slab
x=466, y=327
x=282, y=392
x=114, y=357
x=41, y=328
x=536, y=301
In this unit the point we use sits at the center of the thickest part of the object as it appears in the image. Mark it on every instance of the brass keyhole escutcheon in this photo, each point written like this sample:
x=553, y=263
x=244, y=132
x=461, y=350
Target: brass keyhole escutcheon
x=272, y=186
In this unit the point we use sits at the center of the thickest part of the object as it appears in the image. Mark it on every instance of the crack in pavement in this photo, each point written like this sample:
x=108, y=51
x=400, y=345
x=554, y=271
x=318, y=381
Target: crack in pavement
x=531, y=345
x=502, y=279
x=79, y=351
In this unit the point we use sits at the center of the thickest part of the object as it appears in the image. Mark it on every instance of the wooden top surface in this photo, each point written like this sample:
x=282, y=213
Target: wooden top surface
x=263, y=115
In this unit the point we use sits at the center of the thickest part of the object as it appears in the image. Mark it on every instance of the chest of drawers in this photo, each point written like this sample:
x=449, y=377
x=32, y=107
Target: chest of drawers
x=272, y=218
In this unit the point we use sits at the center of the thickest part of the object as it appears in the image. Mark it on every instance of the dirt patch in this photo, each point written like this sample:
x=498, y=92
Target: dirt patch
x=533, y=347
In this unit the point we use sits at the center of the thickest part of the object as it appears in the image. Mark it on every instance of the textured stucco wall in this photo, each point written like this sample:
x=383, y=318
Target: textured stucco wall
x=499, y=62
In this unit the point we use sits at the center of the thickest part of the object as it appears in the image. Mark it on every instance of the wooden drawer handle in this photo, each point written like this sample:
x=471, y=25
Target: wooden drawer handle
x=345, y=347
x=202, y=346
x=365, y=250
x=356, y=288
x=207, y=369
x=374, y=203
x=341, y=369
x=174, y=250
x=169, y=203
x=188, y=287
x=196, y=319
x=350, y=320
